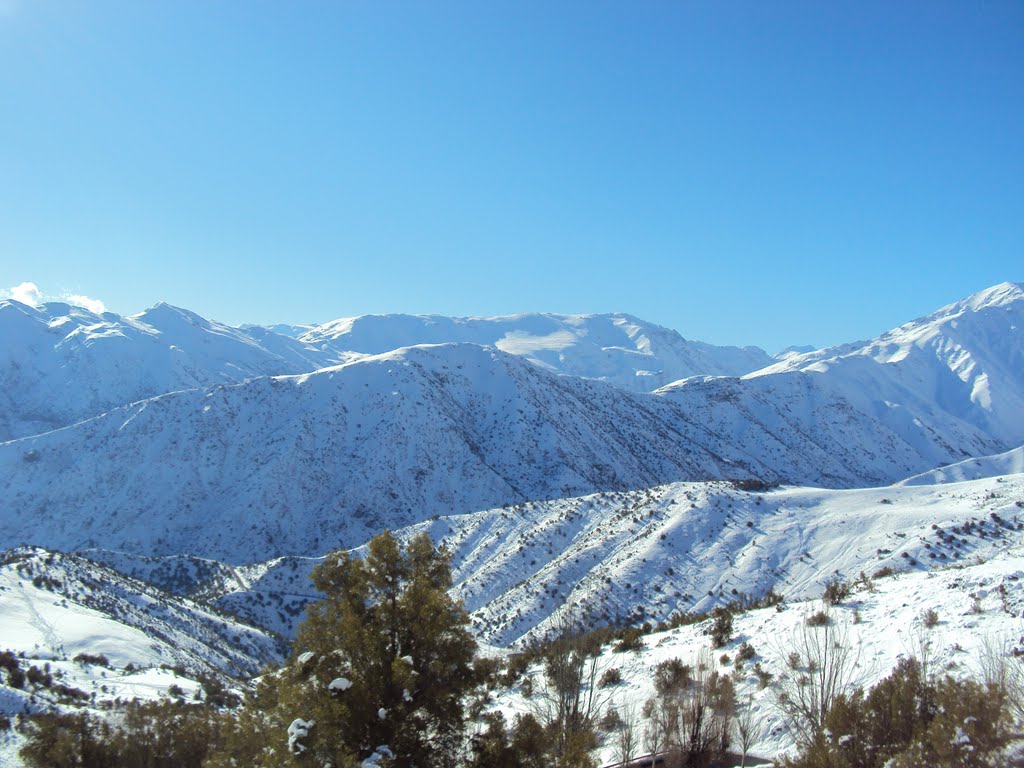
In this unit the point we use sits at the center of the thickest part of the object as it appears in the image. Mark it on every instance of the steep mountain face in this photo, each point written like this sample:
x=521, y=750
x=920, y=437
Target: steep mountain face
x=963, y=363
x=935, y=391
x=60, y=364
x=813, y=429
x=617, y=348
x=298, y=465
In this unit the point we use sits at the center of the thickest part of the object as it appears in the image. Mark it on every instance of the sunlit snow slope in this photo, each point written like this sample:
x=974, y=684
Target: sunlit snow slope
x=60, y=364
x=617, y=348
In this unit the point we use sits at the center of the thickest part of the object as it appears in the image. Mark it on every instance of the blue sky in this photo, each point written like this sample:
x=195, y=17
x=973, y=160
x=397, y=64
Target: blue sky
x=746, y=173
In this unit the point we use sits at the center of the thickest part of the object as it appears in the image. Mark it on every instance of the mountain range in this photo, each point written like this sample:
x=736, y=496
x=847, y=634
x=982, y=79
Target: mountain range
x=168, y=482
x=299, y=464
x=60, y=364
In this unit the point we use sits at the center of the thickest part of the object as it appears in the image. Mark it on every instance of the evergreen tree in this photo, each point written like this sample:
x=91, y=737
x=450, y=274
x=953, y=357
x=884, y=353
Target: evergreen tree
x=383, y=660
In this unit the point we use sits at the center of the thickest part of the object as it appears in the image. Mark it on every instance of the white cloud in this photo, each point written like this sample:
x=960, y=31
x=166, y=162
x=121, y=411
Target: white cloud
x=29, y=293
x=93, y=305
x=26, y=293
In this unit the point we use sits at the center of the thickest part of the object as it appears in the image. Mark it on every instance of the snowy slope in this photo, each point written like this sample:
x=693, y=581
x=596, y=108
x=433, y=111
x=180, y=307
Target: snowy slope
x=640, y=556
x=617, y=348
x=963, y=363
x=56, y=606
x=821, y=429
x=96, y=638
x=60, y=364
x=977, y=605
x=300, y=465
x=1008, y=463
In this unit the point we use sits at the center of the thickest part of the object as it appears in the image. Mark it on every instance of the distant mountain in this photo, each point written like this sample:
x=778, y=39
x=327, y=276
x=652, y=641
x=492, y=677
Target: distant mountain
x=965, y=361
x=285, y=329
x=60, y=364
x=937, y=390
x=299, y=465
x=617, y=348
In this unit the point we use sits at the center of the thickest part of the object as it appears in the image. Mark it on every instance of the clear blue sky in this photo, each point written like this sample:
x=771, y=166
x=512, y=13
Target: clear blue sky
x=765, y=173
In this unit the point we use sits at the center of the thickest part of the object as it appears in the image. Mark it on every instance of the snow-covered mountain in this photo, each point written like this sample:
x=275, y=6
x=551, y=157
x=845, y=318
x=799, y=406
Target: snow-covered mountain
x=936, y=390
x=612, y=500
x=635, y=556
x=617, y=348
x=302, y=464
x=964, y=362
x=60, y=364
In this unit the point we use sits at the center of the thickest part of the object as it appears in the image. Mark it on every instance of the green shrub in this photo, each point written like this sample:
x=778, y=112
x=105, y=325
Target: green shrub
x=721, y=627
x=631, y=639
x=908, y=721
x=671, y=675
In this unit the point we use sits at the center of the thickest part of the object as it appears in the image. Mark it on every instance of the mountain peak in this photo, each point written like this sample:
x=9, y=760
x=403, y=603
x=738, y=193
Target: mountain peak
x=163, y=313
x=1000, y=295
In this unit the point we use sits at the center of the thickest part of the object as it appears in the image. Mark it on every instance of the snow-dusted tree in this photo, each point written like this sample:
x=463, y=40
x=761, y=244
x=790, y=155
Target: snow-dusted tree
x=379, y=667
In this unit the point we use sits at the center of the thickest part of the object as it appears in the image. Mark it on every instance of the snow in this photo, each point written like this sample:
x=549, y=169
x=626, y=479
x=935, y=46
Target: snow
x=295, y=465
x=62, y=363
x=56, y=607
x=688, y=546
x=1010, y=462
x=881, y=625
x=339, y=684
x=612, y=347
x=240, y=455
x=965, y=360
x=66, y=363
x=373, y=761
x=299, y=729
x=681, y=546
